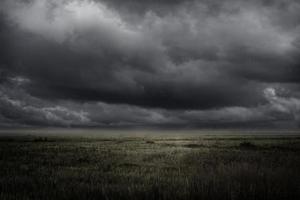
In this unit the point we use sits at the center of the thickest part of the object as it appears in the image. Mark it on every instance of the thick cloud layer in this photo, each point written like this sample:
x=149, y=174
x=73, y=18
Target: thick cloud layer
x=190, y=63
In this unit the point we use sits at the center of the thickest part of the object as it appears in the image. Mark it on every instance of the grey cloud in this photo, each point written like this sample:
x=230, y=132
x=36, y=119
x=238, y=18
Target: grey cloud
x=161, y=62
x=278, y=109
x=23, y=109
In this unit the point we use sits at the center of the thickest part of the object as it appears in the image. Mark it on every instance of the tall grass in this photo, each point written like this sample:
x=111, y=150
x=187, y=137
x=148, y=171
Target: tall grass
x=150, y=168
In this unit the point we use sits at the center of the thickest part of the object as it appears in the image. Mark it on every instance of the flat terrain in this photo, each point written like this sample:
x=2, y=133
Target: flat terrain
x=138, y=165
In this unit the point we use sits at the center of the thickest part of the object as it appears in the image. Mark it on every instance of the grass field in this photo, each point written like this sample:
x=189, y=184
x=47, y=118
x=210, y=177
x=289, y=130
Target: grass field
x=138, y=165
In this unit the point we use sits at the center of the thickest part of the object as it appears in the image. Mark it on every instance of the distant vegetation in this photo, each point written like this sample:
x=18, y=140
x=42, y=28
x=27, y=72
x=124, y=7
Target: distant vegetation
x=151, y=168
x=247, y=145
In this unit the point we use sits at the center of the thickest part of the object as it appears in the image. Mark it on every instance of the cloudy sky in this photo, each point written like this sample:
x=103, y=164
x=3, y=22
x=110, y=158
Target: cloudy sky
x=185, y=63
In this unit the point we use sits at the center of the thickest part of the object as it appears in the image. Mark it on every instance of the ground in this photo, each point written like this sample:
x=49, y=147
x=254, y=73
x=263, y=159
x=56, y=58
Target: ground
x=139, y=165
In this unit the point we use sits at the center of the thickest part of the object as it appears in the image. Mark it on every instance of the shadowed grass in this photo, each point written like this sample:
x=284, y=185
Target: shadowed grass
x=162, y=167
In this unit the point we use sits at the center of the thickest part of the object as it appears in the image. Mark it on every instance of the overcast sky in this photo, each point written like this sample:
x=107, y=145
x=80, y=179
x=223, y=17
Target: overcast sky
x=189, y=63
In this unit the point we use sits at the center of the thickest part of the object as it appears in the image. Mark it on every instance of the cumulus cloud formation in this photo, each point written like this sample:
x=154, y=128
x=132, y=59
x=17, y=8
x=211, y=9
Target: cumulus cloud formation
x=30, y=111
x=111, y=63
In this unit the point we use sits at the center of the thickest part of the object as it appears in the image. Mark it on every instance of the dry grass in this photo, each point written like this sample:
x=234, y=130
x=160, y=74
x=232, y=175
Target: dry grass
x=160, y=167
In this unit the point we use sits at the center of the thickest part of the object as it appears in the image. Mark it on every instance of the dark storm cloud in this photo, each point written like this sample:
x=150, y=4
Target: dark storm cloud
x=173, y=62
x=20, y=109
x=17, y=108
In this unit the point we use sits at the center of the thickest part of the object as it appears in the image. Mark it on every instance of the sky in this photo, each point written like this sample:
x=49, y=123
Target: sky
x=152, y=63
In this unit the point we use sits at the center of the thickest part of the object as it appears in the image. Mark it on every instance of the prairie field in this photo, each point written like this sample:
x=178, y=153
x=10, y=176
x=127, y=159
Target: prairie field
x=152, y=165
